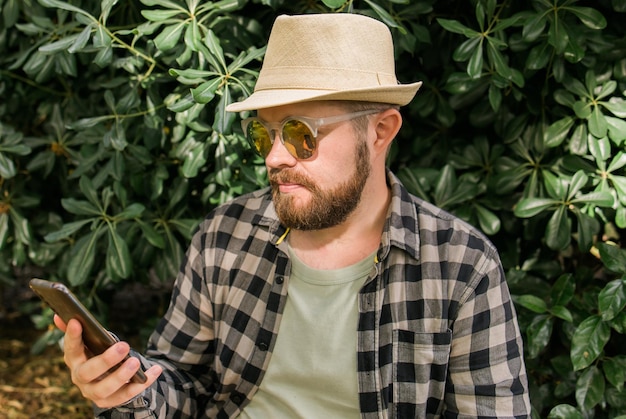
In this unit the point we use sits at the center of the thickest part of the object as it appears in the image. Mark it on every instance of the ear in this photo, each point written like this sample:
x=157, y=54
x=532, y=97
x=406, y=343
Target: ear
x=386, y=127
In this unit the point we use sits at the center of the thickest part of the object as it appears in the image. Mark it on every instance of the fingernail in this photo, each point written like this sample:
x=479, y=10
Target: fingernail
x=132, y=364
x=121, y=348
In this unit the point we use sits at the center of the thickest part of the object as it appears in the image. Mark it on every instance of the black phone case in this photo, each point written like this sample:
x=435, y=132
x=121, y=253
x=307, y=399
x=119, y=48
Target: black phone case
x=64, y=303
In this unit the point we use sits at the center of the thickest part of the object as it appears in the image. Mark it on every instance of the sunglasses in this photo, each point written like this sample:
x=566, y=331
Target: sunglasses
x=297, y=133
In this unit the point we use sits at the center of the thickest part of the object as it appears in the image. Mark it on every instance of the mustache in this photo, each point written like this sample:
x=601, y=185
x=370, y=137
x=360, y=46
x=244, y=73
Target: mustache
x=277, y=176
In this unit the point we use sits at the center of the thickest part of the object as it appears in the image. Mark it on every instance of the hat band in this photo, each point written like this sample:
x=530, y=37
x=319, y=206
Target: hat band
x=334, y=79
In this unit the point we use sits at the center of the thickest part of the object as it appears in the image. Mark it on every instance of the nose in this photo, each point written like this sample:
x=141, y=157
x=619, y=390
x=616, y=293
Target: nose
x=279, y=156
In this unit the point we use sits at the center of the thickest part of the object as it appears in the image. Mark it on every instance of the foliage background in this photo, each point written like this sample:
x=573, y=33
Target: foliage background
x=114, y=143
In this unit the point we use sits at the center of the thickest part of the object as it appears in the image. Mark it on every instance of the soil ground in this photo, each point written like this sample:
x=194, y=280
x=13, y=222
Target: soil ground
x=35, y=386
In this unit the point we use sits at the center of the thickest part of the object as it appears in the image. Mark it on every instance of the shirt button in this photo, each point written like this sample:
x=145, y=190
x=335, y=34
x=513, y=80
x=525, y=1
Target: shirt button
x=263, y=346
x=280, y=280
x=236, y=398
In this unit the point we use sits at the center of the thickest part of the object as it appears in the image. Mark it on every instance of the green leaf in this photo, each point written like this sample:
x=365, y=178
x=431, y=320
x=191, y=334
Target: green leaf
x=192, y=36
x=83, y=259
x=532, y=303
x=384, y=16
x=579, y=180
x=169, y=37
x=534, y=27
x=104, y=57
x=497, y=61
x=558, y=232
x=61, y=45
x=132, y=211
x=617, y=129
x=182, y=104
x=600, y=198
x=575, y=86
x=615, y=372
x=612, y=299
x=457, y=27
x=118, y=257
x=582, y=109
x=600, y=148
x=467, y=48
x=589, y=17
x=613, y=257
x=194, y=160
x=7, y=167
x=168, y=4
x=562, y=313
x=557, y=132
x=539, y=56
x=563, y=290
x=213, y=43
x=66, y=231
x=590, y=388
x=77, y=207
x=85, y=123
x=587, y=229
x=617, y=106
x=488, y=221
x=333, y=4
x=4, y=229
x=446, y=185
x=87, y=188
x=556, y=187
x=150, y=234
x=21, y=226
x=578, y=140
x=81, y=40
x=564, y=411
x=588, y=341
x=495, y=97
x=57, y=4
x=10, y=14
x=160, y=15
x=607, y=89
x=206, y=91
x=475, y=64
x=529, y=207
x=538, y=334
x=597, y=123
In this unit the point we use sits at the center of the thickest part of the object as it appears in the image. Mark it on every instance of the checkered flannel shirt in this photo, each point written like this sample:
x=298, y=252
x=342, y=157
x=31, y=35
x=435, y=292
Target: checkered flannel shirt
x=437, y=333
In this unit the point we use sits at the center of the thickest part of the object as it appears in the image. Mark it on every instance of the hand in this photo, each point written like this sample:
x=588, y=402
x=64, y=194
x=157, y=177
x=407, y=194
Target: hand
x=92, y=376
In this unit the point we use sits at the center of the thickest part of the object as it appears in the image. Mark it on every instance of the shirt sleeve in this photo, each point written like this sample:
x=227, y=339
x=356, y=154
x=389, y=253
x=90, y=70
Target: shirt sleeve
x=487, y=375
x=183, y=345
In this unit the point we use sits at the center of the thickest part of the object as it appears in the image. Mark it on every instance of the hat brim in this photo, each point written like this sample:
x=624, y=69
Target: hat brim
x=400, y=95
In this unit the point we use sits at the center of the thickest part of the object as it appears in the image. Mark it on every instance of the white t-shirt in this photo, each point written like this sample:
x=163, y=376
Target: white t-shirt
x=313, y=372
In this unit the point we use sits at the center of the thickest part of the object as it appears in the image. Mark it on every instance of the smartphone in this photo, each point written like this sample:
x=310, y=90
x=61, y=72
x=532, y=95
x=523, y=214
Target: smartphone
x=64, y=303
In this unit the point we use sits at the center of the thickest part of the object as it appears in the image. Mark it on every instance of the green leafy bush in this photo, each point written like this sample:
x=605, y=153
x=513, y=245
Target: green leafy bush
x=114, y=143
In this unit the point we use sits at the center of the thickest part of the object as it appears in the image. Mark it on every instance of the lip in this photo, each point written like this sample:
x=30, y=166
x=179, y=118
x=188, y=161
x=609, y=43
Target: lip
x=289, y=187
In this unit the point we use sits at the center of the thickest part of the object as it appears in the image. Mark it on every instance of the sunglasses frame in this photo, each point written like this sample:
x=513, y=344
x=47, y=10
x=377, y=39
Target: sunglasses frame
x=313, y=124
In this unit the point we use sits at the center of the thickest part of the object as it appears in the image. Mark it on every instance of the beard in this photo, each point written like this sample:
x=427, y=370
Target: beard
x=327, y=208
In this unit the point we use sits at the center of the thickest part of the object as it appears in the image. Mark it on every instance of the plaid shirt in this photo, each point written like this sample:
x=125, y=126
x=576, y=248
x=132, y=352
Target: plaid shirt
x=437, y=333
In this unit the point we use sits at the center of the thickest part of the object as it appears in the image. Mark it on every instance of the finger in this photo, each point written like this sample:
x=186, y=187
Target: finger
x=59, y=323
x=116, y=388
x=98, y=366
x=73, y=347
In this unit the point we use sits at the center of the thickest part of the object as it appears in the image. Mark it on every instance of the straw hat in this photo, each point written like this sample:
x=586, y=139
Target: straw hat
x=332, y=56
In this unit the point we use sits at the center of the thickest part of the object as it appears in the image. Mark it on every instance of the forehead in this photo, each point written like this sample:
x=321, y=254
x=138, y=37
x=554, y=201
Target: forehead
x=310, y=109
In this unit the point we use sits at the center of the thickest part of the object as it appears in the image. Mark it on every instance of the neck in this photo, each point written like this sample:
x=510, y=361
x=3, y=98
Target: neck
x=347, y=243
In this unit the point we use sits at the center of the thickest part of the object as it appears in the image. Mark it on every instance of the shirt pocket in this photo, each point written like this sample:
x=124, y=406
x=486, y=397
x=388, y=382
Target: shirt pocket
x=420, y=369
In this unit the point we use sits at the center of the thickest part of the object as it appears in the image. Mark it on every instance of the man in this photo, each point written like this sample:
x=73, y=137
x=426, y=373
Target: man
x=333, y=293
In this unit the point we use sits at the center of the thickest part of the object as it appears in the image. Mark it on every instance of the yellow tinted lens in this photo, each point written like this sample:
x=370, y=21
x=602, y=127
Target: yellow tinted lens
x=259, y=138
x=299, y=137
